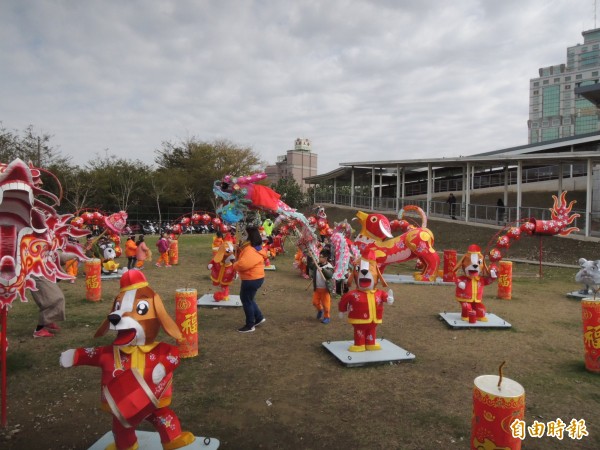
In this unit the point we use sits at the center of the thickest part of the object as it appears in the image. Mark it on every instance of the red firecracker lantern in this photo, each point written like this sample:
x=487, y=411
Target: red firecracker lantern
x=495, y=255
x=97, y=218
x=87, y=218
x=196, y=218
x=77, y=222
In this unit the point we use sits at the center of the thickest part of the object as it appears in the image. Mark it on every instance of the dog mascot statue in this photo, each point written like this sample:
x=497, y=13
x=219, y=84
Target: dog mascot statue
x=365, y=303
x=137, y=371
x=469, y=285
x=221, y=270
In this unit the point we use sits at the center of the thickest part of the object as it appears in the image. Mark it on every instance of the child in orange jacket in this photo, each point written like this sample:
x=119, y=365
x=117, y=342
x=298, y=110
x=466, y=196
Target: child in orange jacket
x=130, y=252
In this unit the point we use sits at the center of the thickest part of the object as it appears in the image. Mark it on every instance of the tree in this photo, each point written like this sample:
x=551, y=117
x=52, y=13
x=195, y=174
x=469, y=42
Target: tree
x=194, y=165
x=158, y=183
x=29, y=146
x=119, y=181
x=290, y=192
x=78, y=188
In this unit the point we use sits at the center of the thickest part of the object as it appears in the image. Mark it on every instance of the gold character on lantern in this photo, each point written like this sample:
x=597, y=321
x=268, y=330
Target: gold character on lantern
x=592, y=336
x=92, y=282
x=190, y=324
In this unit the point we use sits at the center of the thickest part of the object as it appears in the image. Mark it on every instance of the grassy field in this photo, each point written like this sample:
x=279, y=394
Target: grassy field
x=278, y=388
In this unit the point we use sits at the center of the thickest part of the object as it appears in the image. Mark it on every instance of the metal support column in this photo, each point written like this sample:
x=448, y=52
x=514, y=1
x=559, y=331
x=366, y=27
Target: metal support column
x=519, y=181
x=588, y=198
x=373, y=187
x=467, y=190
x=429, y=183
x=352, y=188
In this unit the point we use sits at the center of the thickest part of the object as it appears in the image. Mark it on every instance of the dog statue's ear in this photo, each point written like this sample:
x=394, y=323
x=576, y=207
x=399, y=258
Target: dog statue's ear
x=167, y=323
x=101, y=331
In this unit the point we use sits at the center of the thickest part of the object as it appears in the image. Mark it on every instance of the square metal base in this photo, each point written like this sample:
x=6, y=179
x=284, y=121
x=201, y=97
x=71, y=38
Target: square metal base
x=455, y=321
x=148, y=440
x=409, y=279
x=389, y=352
x=578, y=295
x=209, y=300
x=110, y=276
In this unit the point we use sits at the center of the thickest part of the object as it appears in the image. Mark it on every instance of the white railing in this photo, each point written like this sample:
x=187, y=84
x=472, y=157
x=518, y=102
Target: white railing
x=489, y=214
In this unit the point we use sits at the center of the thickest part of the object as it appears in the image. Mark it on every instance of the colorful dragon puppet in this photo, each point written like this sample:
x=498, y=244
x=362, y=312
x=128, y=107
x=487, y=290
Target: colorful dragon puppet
x=242, y=195
x=31, y=232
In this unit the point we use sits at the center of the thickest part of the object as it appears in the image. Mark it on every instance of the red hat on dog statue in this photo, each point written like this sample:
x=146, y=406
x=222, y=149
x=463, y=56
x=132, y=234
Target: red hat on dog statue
x=137, y=370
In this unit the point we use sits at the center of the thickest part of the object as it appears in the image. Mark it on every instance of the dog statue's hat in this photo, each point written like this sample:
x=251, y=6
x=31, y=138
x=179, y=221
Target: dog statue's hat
x=133, y=279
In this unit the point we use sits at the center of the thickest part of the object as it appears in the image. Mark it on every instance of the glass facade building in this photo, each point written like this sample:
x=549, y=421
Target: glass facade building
x=555, y=111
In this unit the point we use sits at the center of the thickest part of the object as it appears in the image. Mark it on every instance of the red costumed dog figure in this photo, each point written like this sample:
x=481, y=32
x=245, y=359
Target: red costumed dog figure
x=221, y=270
x=469, y=286
x=365, y=303
x=137, y=371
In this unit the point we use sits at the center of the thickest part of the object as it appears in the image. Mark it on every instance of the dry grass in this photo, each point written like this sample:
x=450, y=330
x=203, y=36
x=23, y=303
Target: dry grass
x=316, y=402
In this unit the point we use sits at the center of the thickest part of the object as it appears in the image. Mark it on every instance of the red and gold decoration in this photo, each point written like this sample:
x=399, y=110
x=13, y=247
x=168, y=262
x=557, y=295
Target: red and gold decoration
x=174, y=251
x=558, y=225
x=186, y=317
x=364, y=304
x=505, y=280
x=33, y=234
x=497, y=403
x=449, y=264
x=469, y=285
x=93, y=280
x=137, y=370
x=415, y=242
x=591, y=333
x=221, y=270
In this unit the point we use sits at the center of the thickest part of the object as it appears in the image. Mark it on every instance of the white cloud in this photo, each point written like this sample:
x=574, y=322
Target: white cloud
x=361, y=79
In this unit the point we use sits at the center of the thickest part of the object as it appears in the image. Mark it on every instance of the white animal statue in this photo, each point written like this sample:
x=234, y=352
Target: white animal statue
x=589, y=275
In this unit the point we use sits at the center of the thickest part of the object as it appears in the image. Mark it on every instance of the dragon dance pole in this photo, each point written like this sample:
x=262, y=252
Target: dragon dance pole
x=3, y=341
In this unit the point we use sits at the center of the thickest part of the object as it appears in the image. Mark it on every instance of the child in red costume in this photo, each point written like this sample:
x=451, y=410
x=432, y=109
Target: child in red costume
x=469, y=287
x=221, y=270
x=135, y=367
x=365, y=303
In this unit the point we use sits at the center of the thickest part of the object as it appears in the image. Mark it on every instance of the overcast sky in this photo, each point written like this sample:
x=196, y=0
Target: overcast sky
x=363, y=80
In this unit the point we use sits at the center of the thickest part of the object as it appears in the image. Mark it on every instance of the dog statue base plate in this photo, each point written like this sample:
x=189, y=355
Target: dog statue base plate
x=151, y=441
x=389, y=353
x=209, y=300
x=578, y=295
x=454, y=320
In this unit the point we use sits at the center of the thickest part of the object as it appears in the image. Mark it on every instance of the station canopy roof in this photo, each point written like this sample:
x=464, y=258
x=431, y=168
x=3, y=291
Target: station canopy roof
x=563, y=151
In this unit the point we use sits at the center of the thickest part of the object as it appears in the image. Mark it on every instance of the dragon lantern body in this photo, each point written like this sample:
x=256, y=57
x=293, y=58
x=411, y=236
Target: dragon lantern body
x=31, y=232
x=416, y=242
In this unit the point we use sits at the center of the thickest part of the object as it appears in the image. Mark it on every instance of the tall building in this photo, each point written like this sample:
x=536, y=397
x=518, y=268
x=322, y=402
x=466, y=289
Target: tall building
x=298, y=163
x=556, y=110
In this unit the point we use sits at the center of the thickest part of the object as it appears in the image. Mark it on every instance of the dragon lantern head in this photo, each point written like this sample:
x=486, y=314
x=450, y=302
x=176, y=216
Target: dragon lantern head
x=375, y=226
x=31, y=232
